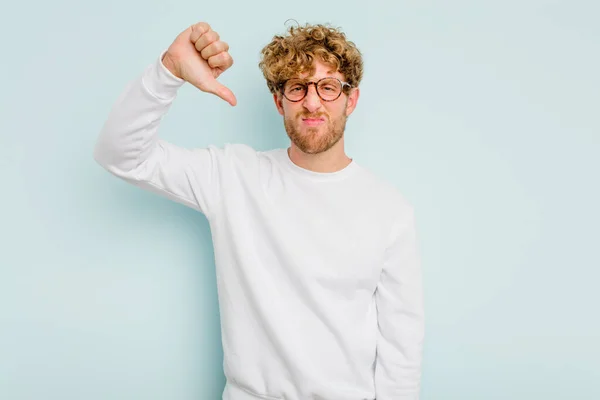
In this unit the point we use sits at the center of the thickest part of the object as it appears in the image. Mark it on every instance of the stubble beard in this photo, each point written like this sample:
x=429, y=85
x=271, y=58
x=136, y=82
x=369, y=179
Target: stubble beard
x=315, y=140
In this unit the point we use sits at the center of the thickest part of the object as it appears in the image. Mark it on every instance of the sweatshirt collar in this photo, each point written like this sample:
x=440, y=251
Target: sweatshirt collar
x=318, y=176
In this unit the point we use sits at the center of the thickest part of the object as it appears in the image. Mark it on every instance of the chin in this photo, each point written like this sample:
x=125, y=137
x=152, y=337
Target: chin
x=313, y=140
x=313, y=147
x=312, y=151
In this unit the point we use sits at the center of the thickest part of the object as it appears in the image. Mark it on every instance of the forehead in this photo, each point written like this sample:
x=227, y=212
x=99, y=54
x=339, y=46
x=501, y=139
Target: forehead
x=320, y=70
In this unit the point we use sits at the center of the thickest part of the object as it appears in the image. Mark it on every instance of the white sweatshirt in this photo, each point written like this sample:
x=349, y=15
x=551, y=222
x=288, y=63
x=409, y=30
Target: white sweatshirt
x=318, y=274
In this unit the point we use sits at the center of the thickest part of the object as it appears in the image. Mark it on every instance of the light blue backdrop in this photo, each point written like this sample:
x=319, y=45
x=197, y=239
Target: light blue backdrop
x=484, y=114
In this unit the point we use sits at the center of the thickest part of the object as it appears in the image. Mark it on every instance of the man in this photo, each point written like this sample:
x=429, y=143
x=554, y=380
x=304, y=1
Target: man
x=318, y=271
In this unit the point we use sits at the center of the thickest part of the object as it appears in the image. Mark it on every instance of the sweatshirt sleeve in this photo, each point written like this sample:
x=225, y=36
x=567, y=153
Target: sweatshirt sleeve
x=400, y=315
x=129, y=146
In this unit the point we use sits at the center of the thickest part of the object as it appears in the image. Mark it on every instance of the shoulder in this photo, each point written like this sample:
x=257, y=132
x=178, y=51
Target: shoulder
x=385, y=192
x=246, y=152
x=246, y=161
x=237, y=150
x=233, y=154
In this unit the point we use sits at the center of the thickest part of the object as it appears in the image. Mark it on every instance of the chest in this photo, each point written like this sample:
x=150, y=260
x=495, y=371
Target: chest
x=330, y=239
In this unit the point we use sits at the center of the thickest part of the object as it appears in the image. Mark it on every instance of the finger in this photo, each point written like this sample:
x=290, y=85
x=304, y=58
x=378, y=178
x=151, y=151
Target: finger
x=222, y=60
x=223, y=92
x=206, y=39
x=213, y=49
x=197, y=30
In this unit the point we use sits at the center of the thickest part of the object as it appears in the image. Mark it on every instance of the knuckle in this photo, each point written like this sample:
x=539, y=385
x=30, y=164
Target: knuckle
x=205, y=53
x=203, y=26
x=197, y=27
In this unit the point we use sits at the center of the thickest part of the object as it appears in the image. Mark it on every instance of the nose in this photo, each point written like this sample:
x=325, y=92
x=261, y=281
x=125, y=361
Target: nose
x=312, y=101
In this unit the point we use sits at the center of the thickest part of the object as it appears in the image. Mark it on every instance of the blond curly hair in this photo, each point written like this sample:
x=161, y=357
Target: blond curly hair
x=287, y=56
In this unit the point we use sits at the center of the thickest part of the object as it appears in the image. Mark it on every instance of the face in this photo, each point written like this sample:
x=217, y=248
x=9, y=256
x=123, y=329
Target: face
x=312, y=124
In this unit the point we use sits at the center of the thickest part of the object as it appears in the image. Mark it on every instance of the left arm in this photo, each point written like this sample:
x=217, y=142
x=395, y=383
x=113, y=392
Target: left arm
x=400, y=315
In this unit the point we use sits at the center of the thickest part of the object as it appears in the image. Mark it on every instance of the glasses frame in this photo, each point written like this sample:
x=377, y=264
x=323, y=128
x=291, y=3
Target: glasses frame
x=316, y=83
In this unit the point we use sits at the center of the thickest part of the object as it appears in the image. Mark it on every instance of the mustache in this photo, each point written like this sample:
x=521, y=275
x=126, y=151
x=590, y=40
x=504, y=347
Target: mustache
x=312, y=116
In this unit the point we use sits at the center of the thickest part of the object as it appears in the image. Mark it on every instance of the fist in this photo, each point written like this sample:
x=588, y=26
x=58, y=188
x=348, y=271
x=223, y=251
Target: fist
x=199, y=56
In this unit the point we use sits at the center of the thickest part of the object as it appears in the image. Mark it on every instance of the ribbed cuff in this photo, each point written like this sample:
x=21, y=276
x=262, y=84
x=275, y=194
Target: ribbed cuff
x=160, y=81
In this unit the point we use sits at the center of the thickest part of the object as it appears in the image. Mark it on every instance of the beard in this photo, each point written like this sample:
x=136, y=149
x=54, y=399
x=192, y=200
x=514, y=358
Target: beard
x=315, y=140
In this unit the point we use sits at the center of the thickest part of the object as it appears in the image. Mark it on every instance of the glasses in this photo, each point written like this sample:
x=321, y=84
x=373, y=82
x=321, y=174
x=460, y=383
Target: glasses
x=328, y=89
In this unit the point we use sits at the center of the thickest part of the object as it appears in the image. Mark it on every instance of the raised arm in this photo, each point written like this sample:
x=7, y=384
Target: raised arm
x=129, y=146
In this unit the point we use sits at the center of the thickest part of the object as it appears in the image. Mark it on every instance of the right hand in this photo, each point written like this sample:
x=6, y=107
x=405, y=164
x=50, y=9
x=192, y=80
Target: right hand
x=198, y=56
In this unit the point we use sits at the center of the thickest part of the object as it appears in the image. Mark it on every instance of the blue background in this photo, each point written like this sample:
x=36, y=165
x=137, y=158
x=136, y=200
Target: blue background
x=484, y=114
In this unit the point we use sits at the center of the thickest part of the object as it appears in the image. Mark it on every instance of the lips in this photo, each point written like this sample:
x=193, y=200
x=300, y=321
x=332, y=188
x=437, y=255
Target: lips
x=313, y=121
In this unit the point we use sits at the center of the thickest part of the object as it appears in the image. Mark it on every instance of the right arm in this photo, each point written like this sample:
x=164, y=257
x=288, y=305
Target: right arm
x=129, y=146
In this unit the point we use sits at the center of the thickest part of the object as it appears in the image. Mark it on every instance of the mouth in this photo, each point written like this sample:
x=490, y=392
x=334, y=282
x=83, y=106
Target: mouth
x=313, y=121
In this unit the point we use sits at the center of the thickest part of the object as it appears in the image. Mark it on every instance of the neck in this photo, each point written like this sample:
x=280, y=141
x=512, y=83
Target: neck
x=332, y=160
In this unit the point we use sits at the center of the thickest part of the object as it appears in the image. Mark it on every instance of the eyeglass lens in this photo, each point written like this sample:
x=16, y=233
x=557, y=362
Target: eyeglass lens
x=328, y=89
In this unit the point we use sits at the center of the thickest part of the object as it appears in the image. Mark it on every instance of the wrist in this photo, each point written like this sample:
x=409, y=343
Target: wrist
x=168, y=62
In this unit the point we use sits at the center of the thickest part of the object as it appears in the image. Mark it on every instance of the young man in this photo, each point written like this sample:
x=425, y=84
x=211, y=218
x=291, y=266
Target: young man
x=318, y=271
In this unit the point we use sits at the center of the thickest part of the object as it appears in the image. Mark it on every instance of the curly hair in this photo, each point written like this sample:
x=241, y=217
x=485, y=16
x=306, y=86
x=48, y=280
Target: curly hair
x=287, y=56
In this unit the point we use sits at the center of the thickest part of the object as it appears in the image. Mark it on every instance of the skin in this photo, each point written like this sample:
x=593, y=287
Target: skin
x=316, y=127
x=199, y=56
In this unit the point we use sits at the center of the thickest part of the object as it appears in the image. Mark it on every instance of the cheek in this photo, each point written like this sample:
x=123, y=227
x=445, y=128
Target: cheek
x=336, y=111
x=291, y=110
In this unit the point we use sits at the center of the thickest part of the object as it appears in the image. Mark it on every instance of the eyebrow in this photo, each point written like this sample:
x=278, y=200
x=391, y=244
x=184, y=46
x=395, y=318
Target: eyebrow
x=313, y=78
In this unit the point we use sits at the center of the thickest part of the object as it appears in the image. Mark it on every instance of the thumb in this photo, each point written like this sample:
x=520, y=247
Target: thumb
x=223, y=92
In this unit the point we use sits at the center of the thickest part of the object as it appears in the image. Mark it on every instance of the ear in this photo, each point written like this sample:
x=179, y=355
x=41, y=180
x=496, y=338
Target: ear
x=352, y=100
x=278, y=102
